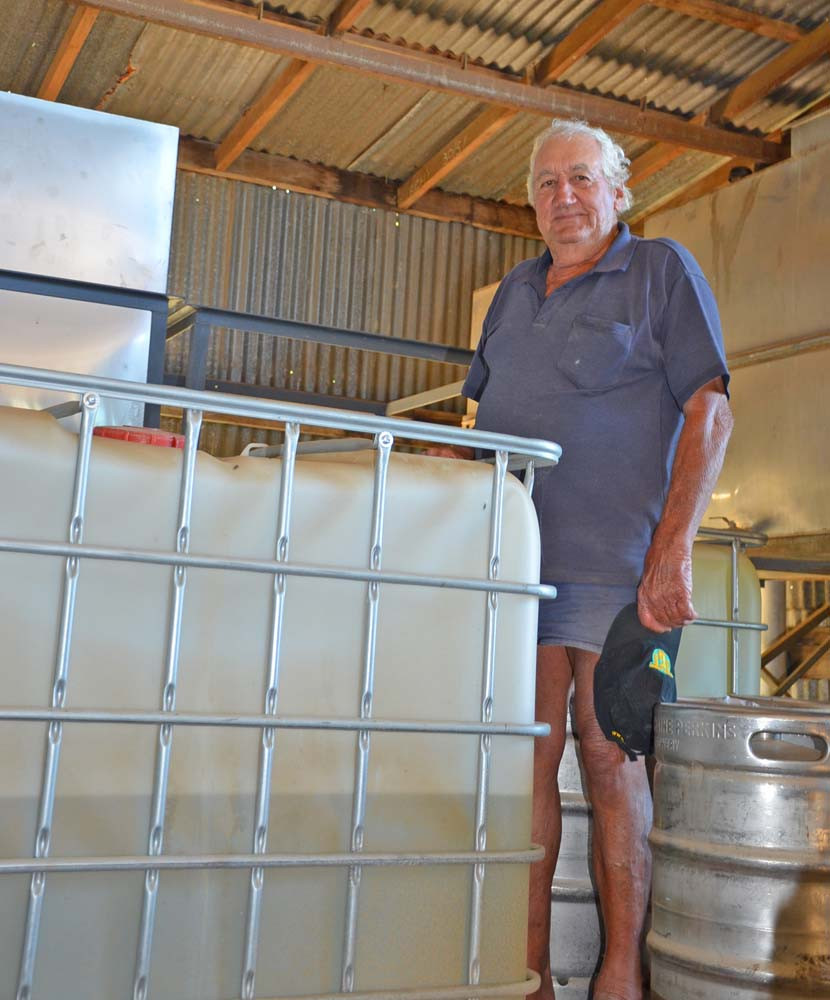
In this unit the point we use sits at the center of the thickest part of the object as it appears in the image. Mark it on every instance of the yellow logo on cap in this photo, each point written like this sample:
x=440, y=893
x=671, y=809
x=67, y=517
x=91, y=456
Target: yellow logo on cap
x=660, y=661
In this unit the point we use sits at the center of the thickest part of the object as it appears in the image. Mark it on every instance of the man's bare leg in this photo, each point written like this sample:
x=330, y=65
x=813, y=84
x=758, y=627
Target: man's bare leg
x=553, y=682
x=621, y=804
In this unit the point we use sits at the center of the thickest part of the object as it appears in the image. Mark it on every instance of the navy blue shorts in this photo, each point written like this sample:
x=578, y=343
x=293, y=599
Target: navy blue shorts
x=581, y=614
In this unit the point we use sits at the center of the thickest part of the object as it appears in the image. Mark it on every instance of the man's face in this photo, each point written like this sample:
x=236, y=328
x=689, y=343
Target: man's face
x=575, y=204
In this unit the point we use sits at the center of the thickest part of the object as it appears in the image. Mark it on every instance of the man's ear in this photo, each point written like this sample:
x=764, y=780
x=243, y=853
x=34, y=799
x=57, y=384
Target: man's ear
x=619, y=197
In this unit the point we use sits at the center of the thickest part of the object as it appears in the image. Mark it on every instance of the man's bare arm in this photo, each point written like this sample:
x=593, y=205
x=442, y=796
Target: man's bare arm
x=664, y=597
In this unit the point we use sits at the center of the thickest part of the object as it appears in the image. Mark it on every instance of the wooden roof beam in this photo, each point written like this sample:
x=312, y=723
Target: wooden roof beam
x=262, y=111
x=716, y=177
x=259, y=115
x=234, y=23
x=68, y=51
x=734, y=17
x=653, y=160
x=462, y=145
x=345, y=14
x=588, y=32
x=780, y=69
x=358, y=189
x=591, y=29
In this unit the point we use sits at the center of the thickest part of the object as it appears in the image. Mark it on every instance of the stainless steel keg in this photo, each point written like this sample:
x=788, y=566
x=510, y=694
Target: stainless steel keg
x=741, y=842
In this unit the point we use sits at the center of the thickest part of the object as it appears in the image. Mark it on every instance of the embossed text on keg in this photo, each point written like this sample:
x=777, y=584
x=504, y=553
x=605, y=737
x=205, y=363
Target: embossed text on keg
x=701, y=729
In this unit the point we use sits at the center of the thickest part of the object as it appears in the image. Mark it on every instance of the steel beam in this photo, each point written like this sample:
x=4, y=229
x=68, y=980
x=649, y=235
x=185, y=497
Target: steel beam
x=234, y=23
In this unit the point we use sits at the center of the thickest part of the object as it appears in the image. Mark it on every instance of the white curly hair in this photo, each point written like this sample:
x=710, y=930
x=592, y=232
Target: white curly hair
x=614, y=162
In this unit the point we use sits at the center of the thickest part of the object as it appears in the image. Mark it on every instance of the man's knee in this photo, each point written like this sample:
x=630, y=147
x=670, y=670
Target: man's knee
x=609, y=771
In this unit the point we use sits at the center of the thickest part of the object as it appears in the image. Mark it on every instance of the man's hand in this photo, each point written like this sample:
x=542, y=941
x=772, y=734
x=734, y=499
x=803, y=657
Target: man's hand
x=664, y=597
x=450, y=451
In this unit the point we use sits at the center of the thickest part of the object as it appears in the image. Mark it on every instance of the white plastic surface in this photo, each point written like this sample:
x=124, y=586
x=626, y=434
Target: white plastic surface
x=412, y=923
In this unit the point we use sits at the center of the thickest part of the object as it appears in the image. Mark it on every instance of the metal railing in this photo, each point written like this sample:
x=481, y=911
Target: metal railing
x=738, y=540
x=168, y=717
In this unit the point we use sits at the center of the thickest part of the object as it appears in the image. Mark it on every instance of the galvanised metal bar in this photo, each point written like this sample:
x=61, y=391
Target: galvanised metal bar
x=383, y=444
x=283, y=395
x=715, y=623
x=485, y=741
x=530, y=477
x=309, y=416
x=735, y=611
x=334, y=336
x=157, y=558
x=11, y=714
x=266, y=748
x=748, y=538
x=205, y=862
x=168, y=704
x=54, y=738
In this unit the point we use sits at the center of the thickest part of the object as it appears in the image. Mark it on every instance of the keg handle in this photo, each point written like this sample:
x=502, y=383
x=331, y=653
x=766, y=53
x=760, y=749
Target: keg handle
x=785, y=745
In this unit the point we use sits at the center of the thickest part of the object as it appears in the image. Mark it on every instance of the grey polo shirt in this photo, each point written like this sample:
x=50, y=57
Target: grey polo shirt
x=603, y=366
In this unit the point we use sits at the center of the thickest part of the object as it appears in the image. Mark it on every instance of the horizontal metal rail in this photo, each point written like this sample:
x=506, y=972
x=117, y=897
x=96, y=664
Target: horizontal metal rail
x=728, y=623
x=159, y=558
x=203, y=862
x=269, y=409
x=18, y=714
x=83, y=291
x=333, y=336
x=521, y=988
x=727, y=535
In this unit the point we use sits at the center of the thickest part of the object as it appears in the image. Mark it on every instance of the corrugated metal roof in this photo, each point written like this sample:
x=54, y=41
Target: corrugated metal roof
x=199, y=84
x=254, y=249
x=28, y=41
x=354, y=122
x=337, y=116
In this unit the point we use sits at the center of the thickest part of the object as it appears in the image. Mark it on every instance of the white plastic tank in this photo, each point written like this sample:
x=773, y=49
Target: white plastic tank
x=412, y=922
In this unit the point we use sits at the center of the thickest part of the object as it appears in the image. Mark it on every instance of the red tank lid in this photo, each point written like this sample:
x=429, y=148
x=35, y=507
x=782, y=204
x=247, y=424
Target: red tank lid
x=142, y=435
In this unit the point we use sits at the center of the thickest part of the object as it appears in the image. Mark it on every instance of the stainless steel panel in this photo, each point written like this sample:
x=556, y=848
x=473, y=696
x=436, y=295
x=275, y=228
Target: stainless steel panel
x=87, y=196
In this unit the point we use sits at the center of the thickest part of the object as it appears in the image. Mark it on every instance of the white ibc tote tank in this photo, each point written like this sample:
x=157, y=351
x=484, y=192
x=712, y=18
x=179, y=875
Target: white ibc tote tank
x=347, y=591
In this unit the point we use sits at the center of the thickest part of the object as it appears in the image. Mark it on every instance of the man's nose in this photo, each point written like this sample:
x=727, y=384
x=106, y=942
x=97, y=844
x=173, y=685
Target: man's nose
x=563, y=191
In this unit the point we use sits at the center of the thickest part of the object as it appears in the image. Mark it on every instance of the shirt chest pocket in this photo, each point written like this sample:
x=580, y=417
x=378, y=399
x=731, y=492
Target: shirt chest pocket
x=595, y=352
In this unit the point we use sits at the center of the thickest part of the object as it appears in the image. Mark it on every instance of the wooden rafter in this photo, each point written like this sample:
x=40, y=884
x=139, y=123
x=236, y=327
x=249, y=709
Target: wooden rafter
x=358, y=189
x=600, y=22
x=69, y=48
x=465, y=142
x=262, y=111
x=780, y=69
x=232, y=22
x=795, y=634
x=603, y=19
x=260, y=114
x=345, y=14
x=733, y=17
x=715, y=177
x=653, y=160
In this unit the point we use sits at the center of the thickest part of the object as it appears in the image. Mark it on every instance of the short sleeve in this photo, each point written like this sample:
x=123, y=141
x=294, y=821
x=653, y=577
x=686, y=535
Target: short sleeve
x=477, y=374
x=693, y=341
x=479, y=371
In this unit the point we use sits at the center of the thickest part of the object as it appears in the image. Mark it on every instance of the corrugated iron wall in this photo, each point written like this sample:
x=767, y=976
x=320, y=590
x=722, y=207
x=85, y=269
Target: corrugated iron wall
x=278, y=253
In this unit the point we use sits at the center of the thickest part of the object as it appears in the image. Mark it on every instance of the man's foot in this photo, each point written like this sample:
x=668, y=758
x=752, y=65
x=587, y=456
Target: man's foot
x=617, y=992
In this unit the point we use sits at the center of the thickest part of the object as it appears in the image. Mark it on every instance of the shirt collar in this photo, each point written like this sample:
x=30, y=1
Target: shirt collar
x=616, y=258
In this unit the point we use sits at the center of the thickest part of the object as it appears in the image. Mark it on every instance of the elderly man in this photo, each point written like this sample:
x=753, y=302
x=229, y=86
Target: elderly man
x=610, y=345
